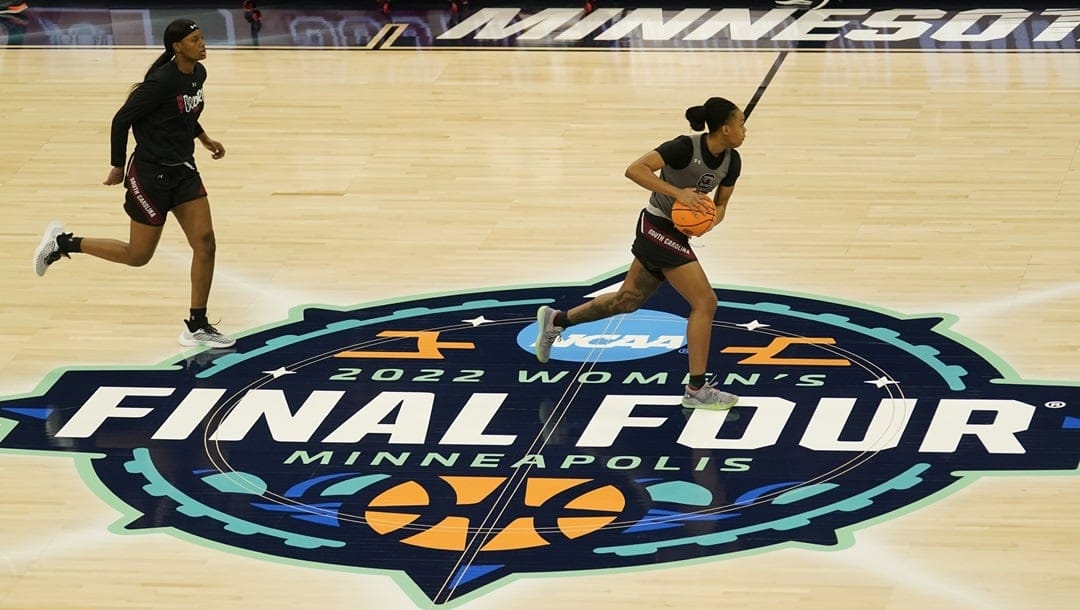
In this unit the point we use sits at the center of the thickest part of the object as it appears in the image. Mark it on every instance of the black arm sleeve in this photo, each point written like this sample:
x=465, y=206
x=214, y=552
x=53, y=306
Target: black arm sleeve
x=140, y=103
x=200, y=71
x=677, y=153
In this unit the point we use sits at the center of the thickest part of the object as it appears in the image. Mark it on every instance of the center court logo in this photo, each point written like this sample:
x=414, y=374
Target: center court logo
x=643, y=334
x=423, y=440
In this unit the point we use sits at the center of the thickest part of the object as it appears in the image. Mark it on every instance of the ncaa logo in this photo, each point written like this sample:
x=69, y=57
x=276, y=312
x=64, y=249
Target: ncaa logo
x=423, y=440
x=642, y=334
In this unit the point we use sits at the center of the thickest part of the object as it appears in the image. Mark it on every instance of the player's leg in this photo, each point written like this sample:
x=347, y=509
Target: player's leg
x=689, y=280
x=636, y=288
x=136, y=251
x=146, y=201
x=195, y=220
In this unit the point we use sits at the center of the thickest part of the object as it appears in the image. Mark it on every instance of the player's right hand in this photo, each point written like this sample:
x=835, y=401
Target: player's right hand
x=116, y=176
x=697, y=200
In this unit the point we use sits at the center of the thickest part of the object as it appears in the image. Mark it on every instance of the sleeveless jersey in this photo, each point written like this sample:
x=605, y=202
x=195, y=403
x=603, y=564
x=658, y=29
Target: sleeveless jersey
x=695, y=175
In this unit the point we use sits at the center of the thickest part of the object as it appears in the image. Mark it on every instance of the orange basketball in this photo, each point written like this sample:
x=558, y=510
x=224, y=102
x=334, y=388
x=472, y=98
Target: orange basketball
x=691, y=222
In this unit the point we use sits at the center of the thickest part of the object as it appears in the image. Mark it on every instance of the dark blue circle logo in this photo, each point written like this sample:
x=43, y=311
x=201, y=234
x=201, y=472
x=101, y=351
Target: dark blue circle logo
x=424, y=439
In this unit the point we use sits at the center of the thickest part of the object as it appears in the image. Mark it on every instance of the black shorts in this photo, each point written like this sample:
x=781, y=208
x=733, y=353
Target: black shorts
x=659, y=245
x=153, y=190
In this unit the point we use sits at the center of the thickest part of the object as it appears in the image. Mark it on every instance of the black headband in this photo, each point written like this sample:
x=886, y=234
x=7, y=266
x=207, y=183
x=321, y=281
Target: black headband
x=176, y=34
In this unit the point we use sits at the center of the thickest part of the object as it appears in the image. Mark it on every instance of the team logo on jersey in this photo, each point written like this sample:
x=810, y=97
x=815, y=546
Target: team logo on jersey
x=422, y=438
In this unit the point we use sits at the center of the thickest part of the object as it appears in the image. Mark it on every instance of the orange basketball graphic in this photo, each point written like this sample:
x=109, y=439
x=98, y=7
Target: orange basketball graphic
x=583, y=507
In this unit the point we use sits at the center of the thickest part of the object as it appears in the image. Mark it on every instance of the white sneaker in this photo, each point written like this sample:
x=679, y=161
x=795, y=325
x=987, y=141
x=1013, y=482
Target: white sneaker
x=709, y=398
x=547, y=332
x=48, y=251
x=206, y=336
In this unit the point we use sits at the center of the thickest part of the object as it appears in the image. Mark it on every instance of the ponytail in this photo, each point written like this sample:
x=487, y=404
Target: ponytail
x=162, y=59
x=696, y=116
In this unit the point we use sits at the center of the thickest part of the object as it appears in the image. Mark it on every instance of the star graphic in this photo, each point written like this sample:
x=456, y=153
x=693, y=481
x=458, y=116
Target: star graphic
x=753, y=325
x=279, y=372
x=881, y=382
x=477, y=321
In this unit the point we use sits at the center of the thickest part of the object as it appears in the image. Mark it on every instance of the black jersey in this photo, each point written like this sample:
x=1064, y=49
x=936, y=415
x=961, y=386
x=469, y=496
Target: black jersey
x=163, y=113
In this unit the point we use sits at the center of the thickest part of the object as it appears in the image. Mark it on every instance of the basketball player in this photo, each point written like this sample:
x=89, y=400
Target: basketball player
x=691, y=167
x=163, y=113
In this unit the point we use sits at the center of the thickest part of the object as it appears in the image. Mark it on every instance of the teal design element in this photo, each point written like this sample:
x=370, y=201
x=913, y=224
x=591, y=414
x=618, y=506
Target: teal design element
x=282, y=341
x=157, y=486
x=351, y=486
x=680, y=492
x=236, y=483
x=802, y=493
x=6, y=426
x=951, y=373
x=905, y=480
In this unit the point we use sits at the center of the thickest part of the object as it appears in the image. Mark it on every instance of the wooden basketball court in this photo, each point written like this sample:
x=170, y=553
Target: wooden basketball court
x=915, y=182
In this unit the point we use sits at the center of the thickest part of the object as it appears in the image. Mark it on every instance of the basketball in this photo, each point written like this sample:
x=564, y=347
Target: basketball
x=691, y=222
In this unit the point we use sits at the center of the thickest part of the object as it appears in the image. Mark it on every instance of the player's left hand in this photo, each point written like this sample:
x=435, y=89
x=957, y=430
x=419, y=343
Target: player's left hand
x=217, y=151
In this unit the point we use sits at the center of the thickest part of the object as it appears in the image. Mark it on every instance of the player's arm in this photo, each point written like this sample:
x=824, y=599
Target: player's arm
x=217, y=151
x=140, y=102
x=643, y=173
x=727, y=186
x=723, y=194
